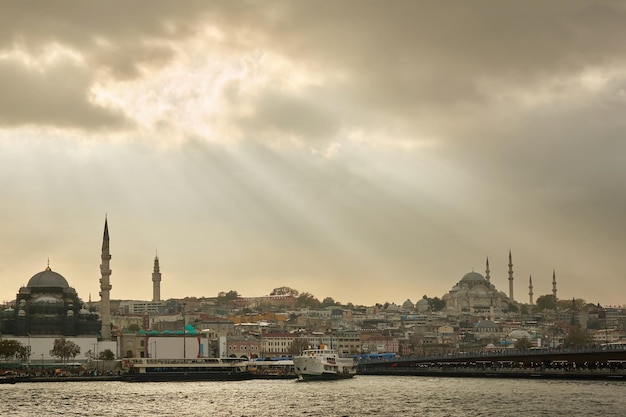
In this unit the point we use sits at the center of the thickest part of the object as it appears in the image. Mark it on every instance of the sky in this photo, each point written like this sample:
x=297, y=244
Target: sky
x=362, y=150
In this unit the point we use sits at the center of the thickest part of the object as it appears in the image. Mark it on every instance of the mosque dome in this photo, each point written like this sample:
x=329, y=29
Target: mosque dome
x=473, y=278
x=47, y=278
x=422, y=305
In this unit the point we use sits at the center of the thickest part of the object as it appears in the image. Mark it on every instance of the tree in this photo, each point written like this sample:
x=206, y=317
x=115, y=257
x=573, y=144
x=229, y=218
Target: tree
x=64, y=349
x=575, y=304
x=225, y=297
x=23, y=353
x=577, y=337
x=9, y=349
x=298, y=346
x=285, y=291
x=523, y=344
x=594, y=324
x=107, y=355
x=436, y=304
x=546, y=302
x=328, y=301
x=307, y=300
x=134, y=327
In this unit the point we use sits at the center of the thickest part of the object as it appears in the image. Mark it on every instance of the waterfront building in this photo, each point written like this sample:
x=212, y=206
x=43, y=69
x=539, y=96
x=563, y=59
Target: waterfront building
x=47, y=305
x=238, y=346
x=277, y=344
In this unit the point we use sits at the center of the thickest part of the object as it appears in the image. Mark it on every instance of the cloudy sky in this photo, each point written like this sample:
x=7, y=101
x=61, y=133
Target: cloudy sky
x=364, y=150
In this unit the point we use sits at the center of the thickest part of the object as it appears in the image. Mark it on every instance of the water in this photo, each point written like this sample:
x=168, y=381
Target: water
x=360, y=396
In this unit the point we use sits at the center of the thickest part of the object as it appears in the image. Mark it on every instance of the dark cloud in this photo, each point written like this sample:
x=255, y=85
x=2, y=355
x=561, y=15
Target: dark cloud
x=57, y=97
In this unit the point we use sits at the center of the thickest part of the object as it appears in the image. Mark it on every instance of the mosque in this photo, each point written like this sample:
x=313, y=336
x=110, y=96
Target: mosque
x=475, y=293
x=49, y=306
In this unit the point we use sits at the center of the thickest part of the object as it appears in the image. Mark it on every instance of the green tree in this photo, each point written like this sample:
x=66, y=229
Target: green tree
x=285, y=291
x=9, y=349
x=436, y=304
x=575, y=304
x=225, y=297
x=545, y=302
x=64, y=349
x=134, y=327
x=107, y=355
x=328, y=301
x=307, y=300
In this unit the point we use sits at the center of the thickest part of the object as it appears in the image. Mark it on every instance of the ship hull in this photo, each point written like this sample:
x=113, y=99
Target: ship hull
x=187, y=376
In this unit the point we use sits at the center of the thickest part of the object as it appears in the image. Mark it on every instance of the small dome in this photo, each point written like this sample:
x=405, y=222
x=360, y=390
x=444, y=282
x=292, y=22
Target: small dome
x=70, y=313
x=48, y=278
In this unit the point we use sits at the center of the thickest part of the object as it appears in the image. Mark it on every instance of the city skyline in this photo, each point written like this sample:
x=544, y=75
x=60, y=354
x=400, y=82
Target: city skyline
x=364, y=151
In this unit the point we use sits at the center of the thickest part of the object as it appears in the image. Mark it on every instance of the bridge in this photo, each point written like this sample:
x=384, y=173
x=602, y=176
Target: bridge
x=582, y=363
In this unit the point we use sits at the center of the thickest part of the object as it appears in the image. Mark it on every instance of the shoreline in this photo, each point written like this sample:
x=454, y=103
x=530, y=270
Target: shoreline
x=594, y=375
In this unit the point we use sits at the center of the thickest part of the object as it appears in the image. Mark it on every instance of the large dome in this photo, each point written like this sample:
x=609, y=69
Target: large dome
x=473, y=277
x=48, y=278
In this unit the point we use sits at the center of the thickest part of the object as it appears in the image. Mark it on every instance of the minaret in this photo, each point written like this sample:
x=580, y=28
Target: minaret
x=487, y=272
x=105, y=286
x=530, y=289
x=554, y=285
x=510, y=277
x=156, y=281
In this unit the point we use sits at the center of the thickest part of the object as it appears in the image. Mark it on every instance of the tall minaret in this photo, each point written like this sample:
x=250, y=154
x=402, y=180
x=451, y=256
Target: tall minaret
x=530, y=289
x=554, y=285
x=487, y=272
x=156, y=281
x=510, y=277
x=105, y=286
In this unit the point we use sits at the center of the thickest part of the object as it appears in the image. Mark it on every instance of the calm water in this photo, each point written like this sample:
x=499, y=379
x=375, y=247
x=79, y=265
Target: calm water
x=361, y=396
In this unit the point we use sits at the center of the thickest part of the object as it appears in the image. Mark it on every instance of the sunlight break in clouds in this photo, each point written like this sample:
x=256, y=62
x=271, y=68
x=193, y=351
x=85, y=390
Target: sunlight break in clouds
x=203, y=92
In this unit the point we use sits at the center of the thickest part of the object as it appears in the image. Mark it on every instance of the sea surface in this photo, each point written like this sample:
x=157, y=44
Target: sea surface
x=360, y=396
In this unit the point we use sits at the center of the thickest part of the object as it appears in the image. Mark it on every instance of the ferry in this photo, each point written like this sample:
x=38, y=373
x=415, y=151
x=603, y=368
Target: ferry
x=198, y=369
x=279, y=368
x=323, y=363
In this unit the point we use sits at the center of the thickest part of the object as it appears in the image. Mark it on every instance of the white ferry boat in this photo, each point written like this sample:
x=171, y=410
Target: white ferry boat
x=323, y=363
x=199, y=369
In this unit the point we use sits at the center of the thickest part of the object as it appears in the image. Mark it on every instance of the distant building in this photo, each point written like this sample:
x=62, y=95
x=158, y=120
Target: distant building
x=475, y=293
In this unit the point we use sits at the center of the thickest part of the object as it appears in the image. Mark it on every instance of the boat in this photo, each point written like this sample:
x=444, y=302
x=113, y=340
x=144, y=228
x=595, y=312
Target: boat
x=322, y=364
x=198, y=369
x=280, y=368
